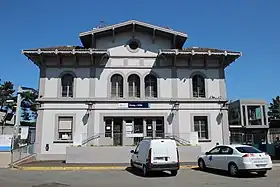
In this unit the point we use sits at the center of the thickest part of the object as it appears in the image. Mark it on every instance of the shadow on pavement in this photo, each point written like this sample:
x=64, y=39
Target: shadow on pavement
x=154, y=174
x=225, y=173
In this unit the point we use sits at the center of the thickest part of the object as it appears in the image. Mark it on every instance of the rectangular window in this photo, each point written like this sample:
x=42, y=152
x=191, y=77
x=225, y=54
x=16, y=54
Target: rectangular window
x=67, y=91
x=133, y=89
x=234, y=116
x=201, y=126
x=117, y=90
x=65, y=128
x=254, y=115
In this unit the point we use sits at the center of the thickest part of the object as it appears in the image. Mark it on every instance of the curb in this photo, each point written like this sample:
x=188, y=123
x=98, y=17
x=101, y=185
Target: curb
x=83, y=168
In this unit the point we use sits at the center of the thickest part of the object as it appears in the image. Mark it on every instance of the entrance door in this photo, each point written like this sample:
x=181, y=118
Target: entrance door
x=149, y=127
x=117, y=132
x=138, y=128
x=160, y=128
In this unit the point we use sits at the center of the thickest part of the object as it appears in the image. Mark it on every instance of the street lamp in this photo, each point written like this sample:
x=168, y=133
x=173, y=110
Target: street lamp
x=89, y=103
x=20, y=91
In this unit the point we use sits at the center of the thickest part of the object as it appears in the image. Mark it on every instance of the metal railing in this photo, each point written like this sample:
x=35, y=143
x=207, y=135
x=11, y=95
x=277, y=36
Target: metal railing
x=22, y=152
x=129, y=139
x=88, y=139
x=179, y=140
x=247, y=138
x=273, y=135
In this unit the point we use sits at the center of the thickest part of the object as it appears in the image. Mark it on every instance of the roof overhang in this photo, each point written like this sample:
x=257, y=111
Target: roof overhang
x=37, y=55
x=193, y=52
x=88, y=37
x=227, y=56
x=73, y=51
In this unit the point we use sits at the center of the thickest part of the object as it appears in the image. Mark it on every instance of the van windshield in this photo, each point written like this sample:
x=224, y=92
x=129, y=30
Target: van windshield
x=248, y=150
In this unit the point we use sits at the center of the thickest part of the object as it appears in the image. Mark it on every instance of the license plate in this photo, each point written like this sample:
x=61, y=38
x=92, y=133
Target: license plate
x=159, y=158
x=260, y=165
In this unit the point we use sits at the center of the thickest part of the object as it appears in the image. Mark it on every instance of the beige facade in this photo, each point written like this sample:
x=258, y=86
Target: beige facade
x=126, y=82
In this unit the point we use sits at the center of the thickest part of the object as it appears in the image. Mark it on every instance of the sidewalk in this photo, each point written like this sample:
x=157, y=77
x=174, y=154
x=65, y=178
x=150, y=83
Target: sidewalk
x=61, y=165
x=276, y=163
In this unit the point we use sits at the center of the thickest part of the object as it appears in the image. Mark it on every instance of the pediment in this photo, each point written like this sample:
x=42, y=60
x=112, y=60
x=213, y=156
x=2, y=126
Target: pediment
x=88, y=38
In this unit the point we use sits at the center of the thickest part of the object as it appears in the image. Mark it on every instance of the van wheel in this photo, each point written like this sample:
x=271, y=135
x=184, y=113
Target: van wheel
x=261, y=173
x=174, y=172
x=145, y=171
x=131, y=164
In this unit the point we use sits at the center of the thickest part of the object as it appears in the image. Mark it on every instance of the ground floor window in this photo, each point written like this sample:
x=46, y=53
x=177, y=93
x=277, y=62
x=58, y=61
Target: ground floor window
x=65, y=128
x=201, y=126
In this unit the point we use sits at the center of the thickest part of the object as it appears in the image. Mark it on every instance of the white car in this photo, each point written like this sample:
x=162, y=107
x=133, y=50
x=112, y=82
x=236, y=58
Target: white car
x=235, y=159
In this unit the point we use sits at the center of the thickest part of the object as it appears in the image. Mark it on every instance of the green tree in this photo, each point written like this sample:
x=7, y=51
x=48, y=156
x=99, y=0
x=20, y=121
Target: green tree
x=274, y=108
x=25, y=115
x=28, y=105
x=6, y=93
x=29, y=109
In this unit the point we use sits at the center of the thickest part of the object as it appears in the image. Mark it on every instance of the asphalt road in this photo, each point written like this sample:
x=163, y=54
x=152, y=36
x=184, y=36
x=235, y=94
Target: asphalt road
x=132, y=178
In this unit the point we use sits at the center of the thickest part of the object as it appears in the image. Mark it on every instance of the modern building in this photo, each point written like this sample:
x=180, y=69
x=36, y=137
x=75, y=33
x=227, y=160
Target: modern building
x=128, y=81
x=274, y=130
x=248, y=121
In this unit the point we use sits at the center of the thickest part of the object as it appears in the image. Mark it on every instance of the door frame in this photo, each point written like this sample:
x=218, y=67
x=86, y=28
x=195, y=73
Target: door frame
x=119, y=134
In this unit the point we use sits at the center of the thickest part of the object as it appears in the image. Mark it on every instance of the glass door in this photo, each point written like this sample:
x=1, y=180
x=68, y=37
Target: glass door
x=160, y=128
x=117, y=131
x=149, y=127
x=138, y=129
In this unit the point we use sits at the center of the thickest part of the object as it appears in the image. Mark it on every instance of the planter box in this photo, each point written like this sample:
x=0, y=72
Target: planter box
x=119, y=155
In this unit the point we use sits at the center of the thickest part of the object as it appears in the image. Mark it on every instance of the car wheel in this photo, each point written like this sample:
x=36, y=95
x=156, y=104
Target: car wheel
x=201, y=164
x=145, y=171
x=174, y=172
x=232, y=169
x=261, y=173
x=131, y=164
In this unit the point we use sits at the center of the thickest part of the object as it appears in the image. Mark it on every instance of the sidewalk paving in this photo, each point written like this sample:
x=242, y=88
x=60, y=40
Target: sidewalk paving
x=61, y=165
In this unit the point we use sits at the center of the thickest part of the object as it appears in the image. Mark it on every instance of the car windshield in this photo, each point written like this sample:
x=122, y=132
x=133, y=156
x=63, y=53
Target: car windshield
x=248, y=150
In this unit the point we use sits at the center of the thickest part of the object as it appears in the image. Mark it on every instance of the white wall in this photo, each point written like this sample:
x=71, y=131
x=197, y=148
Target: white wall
x=132, y=63
x=49, y=129
x=103, y=89
x=216, y=126
x=118, y=48
x=52, y=81
x=212, y=82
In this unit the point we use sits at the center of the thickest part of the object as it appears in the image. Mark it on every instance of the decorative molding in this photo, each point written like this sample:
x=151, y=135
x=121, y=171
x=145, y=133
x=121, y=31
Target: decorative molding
x=125, y=100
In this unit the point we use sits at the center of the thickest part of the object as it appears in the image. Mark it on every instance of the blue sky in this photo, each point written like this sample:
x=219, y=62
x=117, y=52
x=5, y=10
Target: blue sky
x=251, y=27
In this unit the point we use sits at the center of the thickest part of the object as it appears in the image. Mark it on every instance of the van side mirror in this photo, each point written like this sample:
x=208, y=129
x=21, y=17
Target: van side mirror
x=132, y=151
x=207, y=153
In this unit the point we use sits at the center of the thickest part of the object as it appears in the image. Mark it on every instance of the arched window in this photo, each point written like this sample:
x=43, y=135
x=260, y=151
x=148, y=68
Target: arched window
x=117, y=86
x=198, y=86
x=151, y=86
x=67, y=84
x=133, y=85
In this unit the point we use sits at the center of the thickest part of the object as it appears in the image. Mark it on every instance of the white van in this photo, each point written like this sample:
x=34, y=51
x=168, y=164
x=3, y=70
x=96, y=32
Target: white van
x=156, y=155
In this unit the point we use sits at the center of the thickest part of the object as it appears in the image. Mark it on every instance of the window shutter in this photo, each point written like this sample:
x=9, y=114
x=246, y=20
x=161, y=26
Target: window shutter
x=65, y=123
